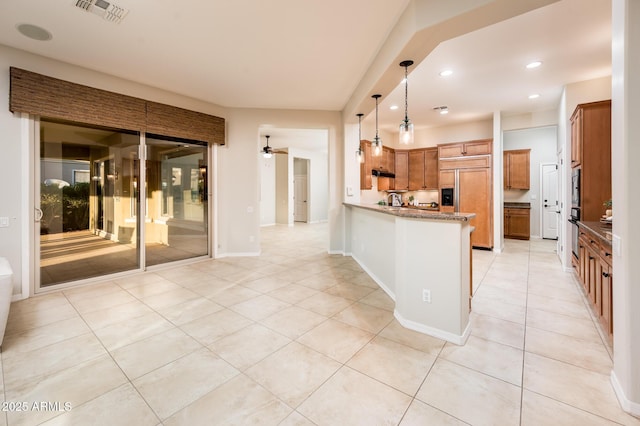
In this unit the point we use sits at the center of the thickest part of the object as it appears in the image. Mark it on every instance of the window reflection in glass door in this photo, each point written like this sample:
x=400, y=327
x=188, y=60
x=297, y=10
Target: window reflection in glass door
x=86, y=229
x=177, y=205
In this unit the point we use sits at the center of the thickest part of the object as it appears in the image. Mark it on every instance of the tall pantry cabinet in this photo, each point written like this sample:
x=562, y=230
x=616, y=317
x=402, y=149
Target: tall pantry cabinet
x=591, y=153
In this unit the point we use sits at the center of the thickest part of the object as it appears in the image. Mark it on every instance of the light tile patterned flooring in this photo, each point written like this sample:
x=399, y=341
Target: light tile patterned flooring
x=299, y=337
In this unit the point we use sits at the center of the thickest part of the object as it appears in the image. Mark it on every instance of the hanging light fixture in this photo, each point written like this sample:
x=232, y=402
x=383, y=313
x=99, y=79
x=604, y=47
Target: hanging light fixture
x=266, y=150
x=376, y=146
x=360, y=152
x=406, y=127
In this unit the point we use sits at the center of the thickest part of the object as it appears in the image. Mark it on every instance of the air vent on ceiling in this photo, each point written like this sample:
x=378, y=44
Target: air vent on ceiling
x=105, y=9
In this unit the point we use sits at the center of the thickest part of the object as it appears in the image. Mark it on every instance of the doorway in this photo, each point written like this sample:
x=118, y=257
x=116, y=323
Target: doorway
x=89, y=186
x=550, y=204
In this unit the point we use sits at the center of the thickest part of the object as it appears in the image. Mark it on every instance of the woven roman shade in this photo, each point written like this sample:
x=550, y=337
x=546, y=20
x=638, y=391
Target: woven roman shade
x=50, y=97
x=173, y=121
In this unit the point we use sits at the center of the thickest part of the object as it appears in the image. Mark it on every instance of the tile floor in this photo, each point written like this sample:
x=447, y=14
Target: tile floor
x=299, y=337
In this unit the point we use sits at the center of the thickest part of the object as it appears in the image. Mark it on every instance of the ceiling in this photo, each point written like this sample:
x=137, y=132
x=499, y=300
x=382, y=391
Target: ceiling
x=290, y=54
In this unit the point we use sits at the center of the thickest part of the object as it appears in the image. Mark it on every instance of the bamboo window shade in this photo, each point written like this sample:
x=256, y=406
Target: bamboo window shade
x=50, y=97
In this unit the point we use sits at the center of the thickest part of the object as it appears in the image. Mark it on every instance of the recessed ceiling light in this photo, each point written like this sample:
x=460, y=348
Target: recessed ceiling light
x=393, y=107
x=534, y=96
x=34, y=32
x=534, y=64
x=442, y=109
x=446, y=73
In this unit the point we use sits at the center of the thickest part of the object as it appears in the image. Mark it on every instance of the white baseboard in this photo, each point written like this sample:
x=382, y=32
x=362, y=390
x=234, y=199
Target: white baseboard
x=630, y=407
x=267, y=224
x=435, y=332
x=337, y=252
x=378, y=281
x=248, y=254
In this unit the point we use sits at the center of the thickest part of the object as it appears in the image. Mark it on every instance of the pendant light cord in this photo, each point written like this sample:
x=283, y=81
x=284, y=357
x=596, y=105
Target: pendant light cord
x=406, y=94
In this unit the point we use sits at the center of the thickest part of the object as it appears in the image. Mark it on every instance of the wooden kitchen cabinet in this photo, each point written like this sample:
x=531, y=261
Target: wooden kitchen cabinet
x=366, y=166
x=402, y=170
x=591, y=152
x=475, y=197
x=479, y=147
x=595, y=273
x=516, y=168
x=423, y=169
x=386, y=162
x=517, y=223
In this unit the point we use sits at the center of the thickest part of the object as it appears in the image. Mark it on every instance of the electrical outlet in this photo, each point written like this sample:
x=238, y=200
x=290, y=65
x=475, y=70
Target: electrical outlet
x=426, y=295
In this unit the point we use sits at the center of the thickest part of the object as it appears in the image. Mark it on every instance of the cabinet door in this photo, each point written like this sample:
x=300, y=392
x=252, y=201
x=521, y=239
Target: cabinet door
x=450, y=150
x=477, y=148
x=576, y=138
x=431, y=168
x=475, y=197
x=365, y=168
x=402, y=169
x=592, y=278
x=607, y=298
x=584, y=263
x=518, y=223
x=518, y=169
x=388, y=159
x=416, y=169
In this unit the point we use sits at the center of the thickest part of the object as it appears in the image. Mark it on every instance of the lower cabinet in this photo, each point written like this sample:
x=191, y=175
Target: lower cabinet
x=517, y=223
x=595, y=272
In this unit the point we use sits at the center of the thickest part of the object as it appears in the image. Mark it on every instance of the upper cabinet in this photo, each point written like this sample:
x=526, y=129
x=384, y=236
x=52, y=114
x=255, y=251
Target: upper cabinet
x=516, y=168
x=480, y=147
x=423, y=169
x=365, y=168
x=402, y=170
x=591, y=152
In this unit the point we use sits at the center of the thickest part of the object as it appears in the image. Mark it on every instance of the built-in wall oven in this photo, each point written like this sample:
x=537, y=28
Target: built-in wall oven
x=575, y=188
x=573, y=219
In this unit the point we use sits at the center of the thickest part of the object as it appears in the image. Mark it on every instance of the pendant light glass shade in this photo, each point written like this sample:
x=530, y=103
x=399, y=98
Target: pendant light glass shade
x=360, y=152
x=406, y=127
x=376, y=144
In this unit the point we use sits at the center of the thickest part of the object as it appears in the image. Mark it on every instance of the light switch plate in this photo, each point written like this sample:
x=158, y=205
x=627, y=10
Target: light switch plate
x=617, y=243
x=4, y=222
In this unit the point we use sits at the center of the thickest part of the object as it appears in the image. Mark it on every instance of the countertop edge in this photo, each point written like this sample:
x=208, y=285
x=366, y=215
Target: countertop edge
x=406, y=212
x=598, y=229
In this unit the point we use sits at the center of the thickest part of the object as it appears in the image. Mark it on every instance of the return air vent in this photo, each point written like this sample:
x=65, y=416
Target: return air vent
x=105, y=9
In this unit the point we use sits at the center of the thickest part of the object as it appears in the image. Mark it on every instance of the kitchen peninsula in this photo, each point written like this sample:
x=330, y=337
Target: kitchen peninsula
x=421, y=259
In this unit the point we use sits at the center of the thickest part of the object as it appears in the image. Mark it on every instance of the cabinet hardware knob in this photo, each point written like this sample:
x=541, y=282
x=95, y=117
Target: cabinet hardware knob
x=607, y=254
x=592, y=241
x=605, y=274
x=591, y=257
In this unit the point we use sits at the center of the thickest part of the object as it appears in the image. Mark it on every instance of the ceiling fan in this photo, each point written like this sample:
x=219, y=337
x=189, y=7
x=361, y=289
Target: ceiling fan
x=268, y=151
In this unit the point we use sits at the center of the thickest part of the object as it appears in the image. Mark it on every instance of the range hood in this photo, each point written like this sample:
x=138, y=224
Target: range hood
x=382, y=173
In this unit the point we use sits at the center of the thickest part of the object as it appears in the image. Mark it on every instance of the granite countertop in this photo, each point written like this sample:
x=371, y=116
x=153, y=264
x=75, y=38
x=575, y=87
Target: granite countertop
x=516, y=205
x=414, y=213
x=599, y=229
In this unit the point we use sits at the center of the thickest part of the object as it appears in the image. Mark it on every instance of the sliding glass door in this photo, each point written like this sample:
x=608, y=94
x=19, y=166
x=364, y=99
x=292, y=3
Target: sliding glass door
x=176, y=202
x=88, y=193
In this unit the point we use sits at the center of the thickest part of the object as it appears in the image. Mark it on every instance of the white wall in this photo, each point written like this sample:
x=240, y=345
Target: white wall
x=455, y=133
x=542, y=142
x=237, y=168
x=625, y=110
x=267, y=191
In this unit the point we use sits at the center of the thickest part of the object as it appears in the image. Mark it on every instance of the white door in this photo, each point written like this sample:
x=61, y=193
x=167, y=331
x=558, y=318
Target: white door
x=550, y=207
x=300, y=199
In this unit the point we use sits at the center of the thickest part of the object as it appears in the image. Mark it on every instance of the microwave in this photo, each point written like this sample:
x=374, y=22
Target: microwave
x=575, y=187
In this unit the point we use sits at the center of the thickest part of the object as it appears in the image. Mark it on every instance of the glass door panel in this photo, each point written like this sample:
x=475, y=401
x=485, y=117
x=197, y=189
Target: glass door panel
x=177, y=205
x=89, y=200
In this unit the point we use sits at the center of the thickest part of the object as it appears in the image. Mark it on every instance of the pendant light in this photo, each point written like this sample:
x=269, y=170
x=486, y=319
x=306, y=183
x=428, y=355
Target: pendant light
x=267, y=151
x=360, y=152
x=406, y=127
x=376, y=146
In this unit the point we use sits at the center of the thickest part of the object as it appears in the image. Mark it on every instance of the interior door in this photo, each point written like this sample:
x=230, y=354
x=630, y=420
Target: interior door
x=550, y=208
x=300, y=209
